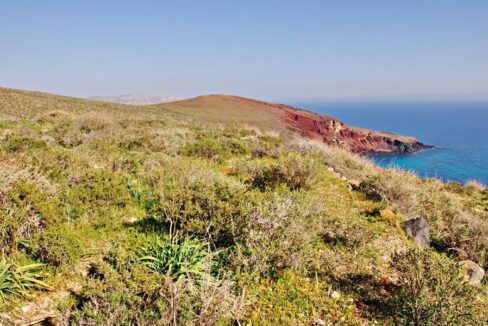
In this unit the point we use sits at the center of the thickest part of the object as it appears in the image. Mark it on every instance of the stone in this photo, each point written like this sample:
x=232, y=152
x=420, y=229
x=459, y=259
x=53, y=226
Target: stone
x=473, y=273
x=318, y=322
x=418, y=230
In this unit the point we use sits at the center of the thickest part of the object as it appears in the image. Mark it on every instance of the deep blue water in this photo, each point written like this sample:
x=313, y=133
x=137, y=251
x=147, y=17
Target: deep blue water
x=458, y=130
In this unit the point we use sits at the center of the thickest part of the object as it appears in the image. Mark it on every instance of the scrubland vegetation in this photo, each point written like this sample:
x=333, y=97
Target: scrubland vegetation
x=138, y=215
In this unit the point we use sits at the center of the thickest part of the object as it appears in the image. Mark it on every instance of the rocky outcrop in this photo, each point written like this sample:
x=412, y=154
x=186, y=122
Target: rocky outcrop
x=334, y=132
x=418, y=230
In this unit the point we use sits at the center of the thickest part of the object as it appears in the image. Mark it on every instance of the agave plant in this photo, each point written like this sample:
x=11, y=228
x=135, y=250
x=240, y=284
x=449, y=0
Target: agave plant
x=19, y=279
x=176, y=257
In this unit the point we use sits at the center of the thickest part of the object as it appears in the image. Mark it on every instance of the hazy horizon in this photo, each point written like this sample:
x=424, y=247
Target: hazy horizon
x=275, y=51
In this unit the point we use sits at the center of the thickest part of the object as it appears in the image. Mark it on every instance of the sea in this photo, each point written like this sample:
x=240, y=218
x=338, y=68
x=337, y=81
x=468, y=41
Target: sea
x=458, y=130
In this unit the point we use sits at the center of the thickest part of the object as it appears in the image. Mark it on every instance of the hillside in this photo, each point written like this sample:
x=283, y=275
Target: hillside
x=284, y=118
x=221, y=211
x=223, y=109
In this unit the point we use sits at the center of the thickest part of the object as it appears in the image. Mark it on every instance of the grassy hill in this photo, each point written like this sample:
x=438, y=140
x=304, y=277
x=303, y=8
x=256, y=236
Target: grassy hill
x=216, y=211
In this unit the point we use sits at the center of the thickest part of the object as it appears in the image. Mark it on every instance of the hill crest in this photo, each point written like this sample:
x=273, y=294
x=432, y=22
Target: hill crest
x=285, y=119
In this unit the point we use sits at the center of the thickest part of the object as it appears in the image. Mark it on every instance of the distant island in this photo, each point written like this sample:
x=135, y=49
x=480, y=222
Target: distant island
x=136, y=99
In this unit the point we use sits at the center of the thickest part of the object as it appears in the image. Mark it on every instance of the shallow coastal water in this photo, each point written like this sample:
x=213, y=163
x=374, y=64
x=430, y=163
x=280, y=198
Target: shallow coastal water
x=459, y=130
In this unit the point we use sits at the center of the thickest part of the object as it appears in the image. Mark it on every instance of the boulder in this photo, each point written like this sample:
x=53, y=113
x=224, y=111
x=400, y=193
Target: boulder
x=473, y=273
x=418, y=230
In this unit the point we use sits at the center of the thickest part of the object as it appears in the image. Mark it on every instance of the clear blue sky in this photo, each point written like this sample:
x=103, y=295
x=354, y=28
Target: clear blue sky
x=274, y=50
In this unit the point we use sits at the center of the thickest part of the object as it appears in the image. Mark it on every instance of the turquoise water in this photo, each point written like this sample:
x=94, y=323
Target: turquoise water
x=458, y=130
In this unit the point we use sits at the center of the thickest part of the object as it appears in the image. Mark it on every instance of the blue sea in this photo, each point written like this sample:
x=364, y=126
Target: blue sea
x=458, y=130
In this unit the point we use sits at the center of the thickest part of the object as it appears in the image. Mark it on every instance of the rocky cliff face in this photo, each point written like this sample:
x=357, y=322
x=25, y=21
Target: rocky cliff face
x=334, y=132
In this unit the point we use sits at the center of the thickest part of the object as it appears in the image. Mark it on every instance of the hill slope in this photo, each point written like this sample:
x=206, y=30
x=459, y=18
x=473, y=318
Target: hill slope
x=157, y=215
x=284, y=118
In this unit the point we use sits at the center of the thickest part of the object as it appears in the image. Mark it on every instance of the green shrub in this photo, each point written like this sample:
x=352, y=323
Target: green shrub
x=279, y=232
x=291, y=169
x=127, y=293
x=99, y=188
x=16, y=225
x=59, y=247
x=197, y=201
x=395, y=188
x=432, y=291
x=68, y=134
x=128, y=296
x=215, y=146
x=455, y=228
x=266, y=146
x=17, y=144
x=35, y=196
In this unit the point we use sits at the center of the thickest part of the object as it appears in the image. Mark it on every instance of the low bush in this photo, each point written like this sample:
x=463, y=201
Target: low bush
x=215, y=147
x=279, y=232
x=17, y=225
x=16, y=144
x=290, y=169
x=396, y=188
x=432, y=291
x=121, y=292
x=99, y=188
x=59, y=247
x=197, y=200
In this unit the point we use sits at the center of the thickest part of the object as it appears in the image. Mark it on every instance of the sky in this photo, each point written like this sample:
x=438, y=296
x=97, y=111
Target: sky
x=280, y=50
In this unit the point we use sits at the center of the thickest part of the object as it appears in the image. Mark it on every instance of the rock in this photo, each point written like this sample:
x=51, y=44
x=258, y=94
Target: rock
x=318, y=322
x=473, y=272
x=418, y=230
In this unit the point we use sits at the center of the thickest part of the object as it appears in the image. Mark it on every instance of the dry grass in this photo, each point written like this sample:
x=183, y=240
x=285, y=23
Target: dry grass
x=475, y=184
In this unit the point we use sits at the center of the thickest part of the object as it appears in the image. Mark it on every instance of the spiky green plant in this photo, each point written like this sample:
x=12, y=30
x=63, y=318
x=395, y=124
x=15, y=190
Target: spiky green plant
x=19, y=279
x=176, y=257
